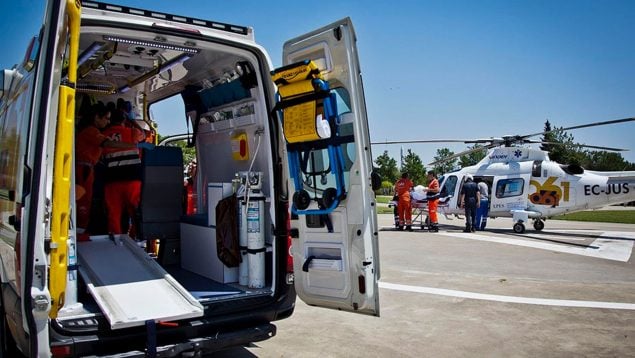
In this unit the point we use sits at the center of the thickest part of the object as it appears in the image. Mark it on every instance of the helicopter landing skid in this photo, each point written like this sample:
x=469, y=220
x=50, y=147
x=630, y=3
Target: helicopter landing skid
x=520, y=217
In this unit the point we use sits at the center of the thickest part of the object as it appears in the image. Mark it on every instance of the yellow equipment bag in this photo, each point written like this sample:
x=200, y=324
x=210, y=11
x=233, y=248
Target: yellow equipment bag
x=302, y=92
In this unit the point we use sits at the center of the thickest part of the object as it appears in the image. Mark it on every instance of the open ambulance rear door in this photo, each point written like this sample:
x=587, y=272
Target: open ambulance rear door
x=335, y=251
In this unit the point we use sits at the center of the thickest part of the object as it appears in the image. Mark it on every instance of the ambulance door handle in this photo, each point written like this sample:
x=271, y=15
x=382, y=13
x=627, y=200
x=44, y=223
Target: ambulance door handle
x=305, y=266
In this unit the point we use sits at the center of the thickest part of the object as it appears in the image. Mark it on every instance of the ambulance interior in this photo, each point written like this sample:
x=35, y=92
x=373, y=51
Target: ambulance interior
x=224, y=111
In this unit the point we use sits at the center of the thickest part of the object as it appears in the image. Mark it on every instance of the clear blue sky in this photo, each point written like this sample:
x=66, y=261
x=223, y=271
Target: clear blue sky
x=446, y=69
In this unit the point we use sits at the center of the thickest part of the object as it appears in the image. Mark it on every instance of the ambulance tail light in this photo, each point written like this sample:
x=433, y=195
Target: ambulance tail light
x=61, y=351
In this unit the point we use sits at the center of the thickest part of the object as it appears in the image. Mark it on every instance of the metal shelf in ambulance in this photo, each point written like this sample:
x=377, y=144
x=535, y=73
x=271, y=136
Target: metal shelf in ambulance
x=65, y=297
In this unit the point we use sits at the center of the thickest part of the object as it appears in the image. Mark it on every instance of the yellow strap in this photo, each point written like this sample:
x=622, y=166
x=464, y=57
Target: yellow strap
x=300, y=72
x=296, y=88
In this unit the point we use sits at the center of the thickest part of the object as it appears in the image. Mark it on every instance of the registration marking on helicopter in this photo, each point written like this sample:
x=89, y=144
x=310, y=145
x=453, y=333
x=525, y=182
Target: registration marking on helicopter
x=610, y=245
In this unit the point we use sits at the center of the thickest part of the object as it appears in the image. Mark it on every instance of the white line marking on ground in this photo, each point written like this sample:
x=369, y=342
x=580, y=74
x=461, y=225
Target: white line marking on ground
x=508, y=299
x=609, y=249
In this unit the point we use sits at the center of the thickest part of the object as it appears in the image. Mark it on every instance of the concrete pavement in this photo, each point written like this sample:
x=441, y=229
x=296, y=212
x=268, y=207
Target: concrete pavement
x=566, y=291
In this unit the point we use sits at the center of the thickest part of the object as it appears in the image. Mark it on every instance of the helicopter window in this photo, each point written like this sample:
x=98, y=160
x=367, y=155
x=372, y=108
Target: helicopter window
x=449, y=186
x=536, y=169
x=509, y=187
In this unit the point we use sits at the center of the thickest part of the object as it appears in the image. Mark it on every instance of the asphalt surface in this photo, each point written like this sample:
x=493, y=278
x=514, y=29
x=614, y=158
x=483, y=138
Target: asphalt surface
x=568, y=291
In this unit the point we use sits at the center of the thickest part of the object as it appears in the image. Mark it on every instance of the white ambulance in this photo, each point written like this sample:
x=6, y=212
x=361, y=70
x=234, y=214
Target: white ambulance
x=294, y=156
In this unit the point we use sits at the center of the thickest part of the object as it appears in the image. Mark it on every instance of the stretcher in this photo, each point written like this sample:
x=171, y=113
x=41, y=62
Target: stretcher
x=420, y=210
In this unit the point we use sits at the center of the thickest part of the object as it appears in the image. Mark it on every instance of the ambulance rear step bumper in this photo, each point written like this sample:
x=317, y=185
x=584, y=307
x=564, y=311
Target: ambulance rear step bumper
x=195, y=347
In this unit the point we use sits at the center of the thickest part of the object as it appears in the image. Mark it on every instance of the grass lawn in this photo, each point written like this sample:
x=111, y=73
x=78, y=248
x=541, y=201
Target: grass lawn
x=383, y=199
x=605, y=216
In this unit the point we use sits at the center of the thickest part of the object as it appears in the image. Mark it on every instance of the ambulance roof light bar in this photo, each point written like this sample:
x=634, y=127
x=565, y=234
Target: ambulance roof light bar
x=242, y=30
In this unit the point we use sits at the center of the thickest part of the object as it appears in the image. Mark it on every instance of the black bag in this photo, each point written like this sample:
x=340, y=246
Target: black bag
x=227, y=241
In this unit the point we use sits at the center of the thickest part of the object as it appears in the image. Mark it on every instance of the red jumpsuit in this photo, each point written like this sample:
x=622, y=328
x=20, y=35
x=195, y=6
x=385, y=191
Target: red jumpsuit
x=122, y=191
x=402, y=188
x=433, y=189
x=88, y=149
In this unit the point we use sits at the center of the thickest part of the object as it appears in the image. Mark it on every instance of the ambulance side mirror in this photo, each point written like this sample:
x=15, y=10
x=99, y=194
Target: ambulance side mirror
x=375, y=180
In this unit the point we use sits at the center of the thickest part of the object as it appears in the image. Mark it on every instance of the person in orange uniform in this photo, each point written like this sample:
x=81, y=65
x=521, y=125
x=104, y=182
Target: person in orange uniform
x=123, y=173
x=190, y=186
x=89, y=145
x=403, y=187
x=433, y=201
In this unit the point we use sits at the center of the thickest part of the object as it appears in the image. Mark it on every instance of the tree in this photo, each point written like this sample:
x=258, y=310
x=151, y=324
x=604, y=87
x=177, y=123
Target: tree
x=607, y=161
x=547, y=137
x=566, y=152
x=189, y=153
x=472, y=158
x=442, y=165
x=564, y=149
x=387, y=167
x=413, y=165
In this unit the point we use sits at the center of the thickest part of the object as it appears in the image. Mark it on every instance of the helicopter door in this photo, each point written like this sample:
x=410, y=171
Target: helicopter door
x=509, y=192
x=336, y=260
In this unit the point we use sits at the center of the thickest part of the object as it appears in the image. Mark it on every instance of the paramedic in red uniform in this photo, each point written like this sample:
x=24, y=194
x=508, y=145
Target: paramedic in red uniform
x=122, y=191
x=89, y=144
x=433, y=201
x=403, y=187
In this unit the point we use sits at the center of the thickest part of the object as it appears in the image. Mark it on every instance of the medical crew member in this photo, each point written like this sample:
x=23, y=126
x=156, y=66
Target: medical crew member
x=483, y=209
x=470, y=200
x=89, y=145
x=122, y=191
x=433, y=201
x=403, y=187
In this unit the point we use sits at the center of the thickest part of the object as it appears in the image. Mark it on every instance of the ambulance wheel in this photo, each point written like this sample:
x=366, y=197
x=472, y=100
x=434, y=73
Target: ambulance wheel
x=519, y=228
x=301, y=199
x=539, y=225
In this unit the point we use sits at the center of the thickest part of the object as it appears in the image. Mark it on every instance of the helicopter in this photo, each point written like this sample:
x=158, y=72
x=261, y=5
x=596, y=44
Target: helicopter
x=525, y=184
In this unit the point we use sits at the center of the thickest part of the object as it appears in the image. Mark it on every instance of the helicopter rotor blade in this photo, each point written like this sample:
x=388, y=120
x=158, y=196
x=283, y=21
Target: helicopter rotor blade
x=614, y=121
x=584, y=146
x=465, y=152
x=414, y=141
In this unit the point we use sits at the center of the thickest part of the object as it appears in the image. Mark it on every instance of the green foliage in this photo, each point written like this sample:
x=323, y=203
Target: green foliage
x=189, y=153
x=443, y=166
x=567, y=152
x=383, y=199
x=387, y=167
x=607, y=216
x=386, y=188
x=472, y=158
x=607, y=161
x=413, y=165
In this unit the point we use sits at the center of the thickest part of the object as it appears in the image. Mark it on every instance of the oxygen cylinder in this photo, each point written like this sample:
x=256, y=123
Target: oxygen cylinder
x=256, y=239
x=243, y=268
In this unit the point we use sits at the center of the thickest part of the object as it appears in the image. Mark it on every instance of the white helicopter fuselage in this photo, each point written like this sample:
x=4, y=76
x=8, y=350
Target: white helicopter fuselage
x=524, y=183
